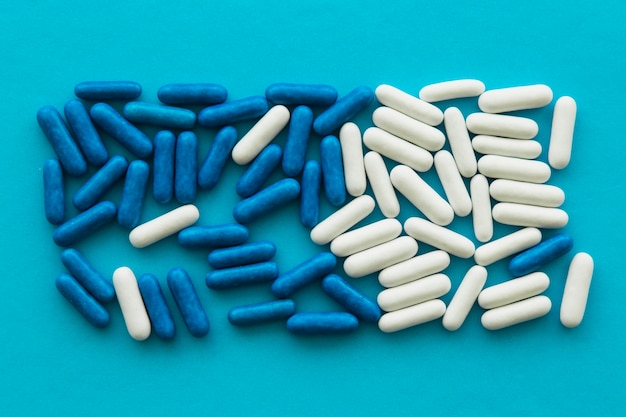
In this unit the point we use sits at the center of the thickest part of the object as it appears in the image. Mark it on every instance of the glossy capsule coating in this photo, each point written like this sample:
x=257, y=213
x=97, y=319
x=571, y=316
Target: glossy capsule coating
x=92, y=280
x=107, y=90
x=343, y=110
x=185, y=174
x=260, y=135
x=53, y=191
x=452, y=182
x=233, y=111
x=516, y=169
x=380, y=182
x=297, y=140
x=515, y=98
x=352, y=299
x=513, y=290
x=440, y=237
x=449, y=90
x=188, y=303
x=464, y=298
x=562, y=134
x=460, y=142
x=131, y=202
x=181, y=94
x=352, y=157
x=259, y=171
x=411, y=316
x=411, y=130
x=507, y=245
x=310, y=197
x=158, y=311
x=121, y=130
x=481, y=208
x=502, y=125
x=366, y=237
x=84, y=224
x=238, y=276
x=158, y=115
x=415, y=268
x=398, y=149
x=55, y=130
x=342, y=219
x=85, y=133
x=526, y=193
x=410, y=105
x=322, y=323
x=529, y=216
x=132, y=306
x=494, y=145
x=267, y=200
x=163, y=166
x=301, y=94
x=576, y=290
x=219, y=154
x=102, y=181
x=303, y=274
x=515, y=313
x=261, y=312
x=332, y=171
x=379, y=257
x=82, y=301
x=414, y=292
x=239, y=255
x=215, y=236
x=163, y=226
x=534, y=258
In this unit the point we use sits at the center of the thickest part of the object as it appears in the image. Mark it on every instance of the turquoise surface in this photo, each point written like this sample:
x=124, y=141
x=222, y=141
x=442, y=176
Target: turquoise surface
x=52, y=362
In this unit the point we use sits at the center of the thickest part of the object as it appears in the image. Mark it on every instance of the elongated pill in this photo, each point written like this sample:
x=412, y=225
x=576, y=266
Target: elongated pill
x=519, y=312
x=332, y=171
x=219, y=153
x=502, y=125
x=259, y=171
x=107, y=90
x=55, y=130
x=410, y=105
x=481, y=208
x=216, y=236
x=121, y=130
x=513, y=290
x=301, y=94
x=464, y=298
x=352, y=157
x=92, y=280
x=163, y=166
x=504, y=167
x=261, y=313
x=188, y=303
x=398, y=149
x=439, y=237
x=297, y=141
x=366, y=237
x=158, y=115
x=82, y=301
x=352, y=299
x=260, y=135
x=238, y=276
x=562, y=134
x=414, y=268
x=343, y=110
x=53, y=191
x=267, y=200
x=310, y=198
x=185, y=173
x=381, y=184
x=342, y=220
x=449, y=90
x=526, y=193
x=84, y=224
x=322, y=323
x=415, y=292
x=131, y=202
x=524, y=97
x=507, y=245
x=85, y=132
x=453, y=185
x=411, y=316
x=239, y=255
x=421, y=195
x=131, y=303
x=459, y=140
x=303, y=274
x=534, y=258
x=102, y=181
x=494, y=145
x=409, y=129
x=180, y=94
x=233, y=111
x=156, y=306
x=379, y=257
x=576, y=290
x=163, y=226
x=529, y=216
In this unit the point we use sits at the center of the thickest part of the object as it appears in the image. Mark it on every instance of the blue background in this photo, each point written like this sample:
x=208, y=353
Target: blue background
x=53, y=363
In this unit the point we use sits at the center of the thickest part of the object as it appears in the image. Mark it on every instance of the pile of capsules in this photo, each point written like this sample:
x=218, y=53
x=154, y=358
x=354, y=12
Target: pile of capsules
x=405, y=133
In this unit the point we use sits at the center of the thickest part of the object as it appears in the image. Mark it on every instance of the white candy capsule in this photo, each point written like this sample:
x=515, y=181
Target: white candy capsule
x=519, y=312
x=513, y=290
x=509, y=191
x=576, y=290
x=381, y=184
x=261, y=134
x=439, y=237
x=424, y=289
x=449, y=90
x=421, y=195
x=460, y=142
x=163, y=226
x=494, y=145
x=398, y=149
x=352, y=154
x=343, y=219
x=453, y=184
x=410, y=105
x=562, y=135
x=409, y=129
x=380, y=257
x=481, y=208
x=131, y=304
x=507, y=245
x=465, y=297
x=414, y=268
x=502, y=125
x=495, y=166
x=515, y=98
x=529, y=216
x=411, y=316
x=366, y=237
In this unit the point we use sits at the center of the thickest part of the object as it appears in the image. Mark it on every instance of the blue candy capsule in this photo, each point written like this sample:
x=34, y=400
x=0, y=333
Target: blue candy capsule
x=310, y=270
x=82, y=301
x=297, y=140
x=185, y=174
x=216, y=236
x=307, y=94
x=121, y=130
x=131, y=203
x=180, y=94
x=100, y=182
x=84, y=224
x=53, y=192
x=352, y=299
x=533, y=259
x=261, y=312
x=155, y=114
x=164, y=161
x=56, y=132
x=322, y=323
x=188, y=303
x=107, y=90
x=85, y=132
x=310, y=199
x=219, y=153
x=332, y=171
x=249, y=253
x=259, y=171
x=266, y=200
x=343, y=110
x=238, y=276
x=233, y=111
x=92, y=280
x=159, y=312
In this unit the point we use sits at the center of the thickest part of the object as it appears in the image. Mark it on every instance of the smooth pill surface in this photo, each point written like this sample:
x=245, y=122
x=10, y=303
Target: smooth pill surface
x=352, y=299
x=84, y=224
x=366, y=237
x=215, y=236
x=188, y=303
x=460, y=142
x=301, y=94
x=131, y=202
x=310, y=197
x=163, y=226
x=529, y=216
x=103, y=180
x=131, y=304
x=294, y=154
x=233, y=111
x=261, y=312
x=312, y=269
x=510, y=191
x=379, y=257
x=409, y=129
x=343, y=110
x=464, y=298
x=380, y=182
x=53, y=191
x=494, y=145
x=515, y=98
x=576, y=290
x=342, y=220
x=452, y=182
x=107, y=90
x=562, y=134
x=410, y=105
x=507, y=245
x=398, y=149
x=158, y=115
x=121, y=130
x=218, y=155
x=513, y=290
x=415, y=292
x=411, y=316
x=332, y=170
x=352, y=157
x=185, y=173
x=519, y=312
x=439, y=237
x=55, y=130
x=322, y=323
x=449, y=90
x=259, y=171
x=414, y=268
x=163, y=166
x=481, y=208
x=238, y=276
x=158, y=311
x=504, y=167
x=534, y=258
x=267, y=200
x=92, y=280
x=260, y=135
x=85, y=132
x=82, y=301
x=502, y=125
x=180, y=94
x=239, y=255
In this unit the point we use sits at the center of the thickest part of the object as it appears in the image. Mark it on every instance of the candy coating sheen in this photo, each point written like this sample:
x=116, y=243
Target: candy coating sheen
x=510, y=191
x=107, y=90
x=84, y=224
x=519, y=312
x=380, y=182
x=185, y=173
x=414, y=292
x=121, y=130
x=410, y=105
x=322, y=323
x=260, y=135
x=343, y=110
x=411, y=316
x=312, y=269
x=301, y=94
x=259, y=171
x=529, y=216
x=239, y=255
x=131, y=304
x=85, y=132
x=82, y=301
x=92, y=280
x=502, y=125
x=507, y=245
x=494, y=145
x=103, y=180
x=267, y=200
x=411, y=130
x=131, y=202
x=513, y=290
x=576, y=290
x=158, y=311
x=352, y=299
x=562, y=134
x=332, y=170
x=481, y=208
x=261, y=312
x=449, y=90
x=158, y=115
x=55, y=130
x=310, y=196
x=352, y=156
x=188, y=303
x=233, y=111
x=464, y=298
x=524, y=97
x=379, y=257
x=294, y=154
x=415, y=268
x=439, y=237
x=366, y=237
x=342, y=219
x=495, y=166
x=398, y=149
x=211, y=169
x=163, y=226
x=534, y=258
x=241, y=275
x=163, y=166
x=180, y=94
x=453, y=185
x=53, y=191
x=460, y=142
x=214, y=236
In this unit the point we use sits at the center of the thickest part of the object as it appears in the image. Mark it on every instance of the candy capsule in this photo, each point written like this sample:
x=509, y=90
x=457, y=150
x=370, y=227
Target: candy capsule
x=524, y=97
x=80, y=268
x=158, y=311
x=332, y=170
x=82, y=301
x=53, y=191
x=513, y=290
x=411, y=316
x=519, y=312
x=55, y=130
x=562, y=134
x=261, y=313
x=464, y=298
x=380, y=182
x=219, y=153
x=411, y=130
x=233, y=111
x=163, y=226
x=107, y=90
x=379, y=257
x=439, y=237
x=452, y=183
x=260, y=135
x=460, y=142
x=576, y=290
x=259, y=171
x=301, y=94
x=507, y=245
x=180, y=94
x=85, y=132
x=158, y=115
x=366, y=237
x=267, y=200
x=322, y=323
x=308, y=271
x=352, y=156
x=103, y=180
x=238, y=276
x=414, y=292
x=185, y=175
x=414, y=268
x=131, y=304
x=410, y=105
x=215, y=236
x=310, y=196
x=131, y=202
x=502, y=125
x=188, y=303
x=239, y=255
x=449, y=90
x=163, y=166
x=353, y=300
x=342, y=220
x=534, y=258
x=343, y=110
x=84, y=224
x=294, y=154
x=121, y=130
